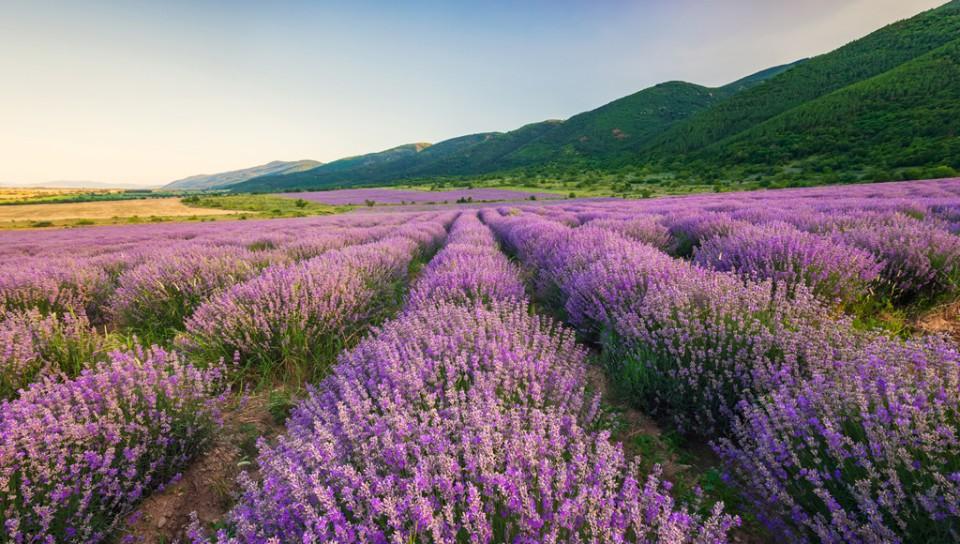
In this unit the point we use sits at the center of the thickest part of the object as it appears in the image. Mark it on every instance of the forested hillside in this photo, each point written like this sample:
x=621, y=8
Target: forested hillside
x=906, y=117
x=884, y=107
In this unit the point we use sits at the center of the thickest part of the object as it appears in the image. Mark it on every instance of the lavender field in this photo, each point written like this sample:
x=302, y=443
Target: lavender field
x=360, y=197
x=456, y=375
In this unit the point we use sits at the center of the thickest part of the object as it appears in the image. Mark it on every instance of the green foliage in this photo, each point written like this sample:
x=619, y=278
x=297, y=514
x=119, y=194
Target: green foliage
x=863, y=59
x=280, y=403
x=905, y=117
x=275, y=206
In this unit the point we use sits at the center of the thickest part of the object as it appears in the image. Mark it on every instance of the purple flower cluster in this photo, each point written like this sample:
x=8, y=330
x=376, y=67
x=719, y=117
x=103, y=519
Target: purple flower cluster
x=34, y=345
x=645, y=228
x=465, y=419
x=457, y=422
x=75, y=456
x=294, y=318
x=155, y=297
x=469, y=268
x=690, y=229
x=54, y=285
x=868, y=452
x=835, y=272
x=919, y=259
x=689, y=343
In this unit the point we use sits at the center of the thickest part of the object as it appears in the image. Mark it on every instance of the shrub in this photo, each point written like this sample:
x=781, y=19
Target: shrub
x=470, y=268
x=292, y=320
x=34, y=345
x=833, y=271
x=920, y=261
x=154, y=298
x=452, y=423
x=76, y=456
x=868, y=452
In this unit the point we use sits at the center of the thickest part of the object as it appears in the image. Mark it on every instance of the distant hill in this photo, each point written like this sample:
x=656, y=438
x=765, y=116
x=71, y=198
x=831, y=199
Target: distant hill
x=227, y=179
x=874, y=109
x=74, y=184
x=608, y=131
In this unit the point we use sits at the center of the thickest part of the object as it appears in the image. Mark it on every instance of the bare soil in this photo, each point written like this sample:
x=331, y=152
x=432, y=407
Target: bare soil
x=944, y=319
x=209, y=486
x=680, y=466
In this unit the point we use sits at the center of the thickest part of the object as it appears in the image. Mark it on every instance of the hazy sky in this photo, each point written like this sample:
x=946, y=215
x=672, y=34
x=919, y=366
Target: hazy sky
x=147, y=92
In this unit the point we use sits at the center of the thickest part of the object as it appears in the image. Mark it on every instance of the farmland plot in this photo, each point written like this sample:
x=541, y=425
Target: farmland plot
x=437, y=369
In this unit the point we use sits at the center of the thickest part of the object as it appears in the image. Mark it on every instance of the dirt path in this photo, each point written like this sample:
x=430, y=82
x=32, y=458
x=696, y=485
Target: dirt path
x=943, y=319
x=645, y=441
x=209, y=486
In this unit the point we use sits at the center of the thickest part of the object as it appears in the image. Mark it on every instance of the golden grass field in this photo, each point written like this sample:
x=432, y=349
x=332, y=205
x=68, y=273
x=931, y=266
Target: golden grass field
x=15, y=194
x=104, y=212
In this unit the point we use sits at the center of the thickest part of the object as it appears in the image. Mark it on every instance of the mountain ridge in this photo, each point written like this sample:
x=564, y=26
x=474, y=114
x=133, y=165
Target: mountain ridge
x=640, y=114
x=226, y=179
x=879, y=107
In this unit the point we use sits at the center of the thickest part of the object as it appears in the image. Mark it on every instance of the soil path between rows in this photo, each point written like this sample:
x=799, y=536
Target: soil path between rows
x=209, y=485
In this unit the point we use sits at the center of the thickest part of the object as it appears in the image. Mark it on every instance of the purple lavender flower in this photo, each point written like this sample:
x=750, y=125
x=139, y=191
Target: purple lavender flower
x=34, y=345
x=296, y=317
x=469, y=268
x=835, y=272
x=456, y=421
x=76, y=456
x=867, y=452
x=154, y=298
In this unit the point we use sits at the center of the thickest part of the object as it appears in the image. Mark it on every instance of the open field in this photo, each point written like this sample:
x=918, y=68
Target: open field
x=263, y=205
x=107, y=212
x=155, y=210
x=725, y=364
x=390, y=196
x=12, y=195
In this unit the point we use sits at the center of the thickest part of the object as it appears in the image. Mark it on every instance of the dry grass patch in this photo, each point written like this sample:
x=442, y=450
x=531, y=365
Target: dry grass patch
x=100, y=212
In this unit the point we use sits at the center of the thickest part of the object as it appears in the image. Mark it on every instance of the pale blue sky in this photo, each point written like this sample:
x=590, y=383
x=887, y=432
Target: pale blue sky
x=146, y=92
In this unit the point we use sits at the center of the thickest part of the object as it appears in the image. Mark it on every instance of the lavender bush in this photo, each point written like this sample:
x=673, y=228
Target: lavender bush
x=646, y=229
x=76, y=456
x=868, y=452
x=920, y=261
x=469, y=268
x=154, y=298
x=833, y=271
x=689, y=230
x=291, y=319
x=457, y=424
x=55, y=286
x=34, y=345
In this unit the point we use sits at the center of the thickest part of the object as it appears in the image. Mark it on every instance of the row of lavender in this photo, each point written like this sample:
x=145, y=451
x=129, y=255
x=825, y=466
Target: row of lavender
x=85, y=443
x=893, y=242
x=464, y=420
x=835, y=435
x=47, y=302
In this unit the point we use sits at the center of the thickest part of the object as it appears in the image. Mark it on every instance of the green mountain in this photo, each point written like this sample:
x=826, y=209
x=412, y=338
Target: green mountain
x=877, y=108
x=858, y=61
x=615, y=129
x=906, y=117
x=619, y=129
